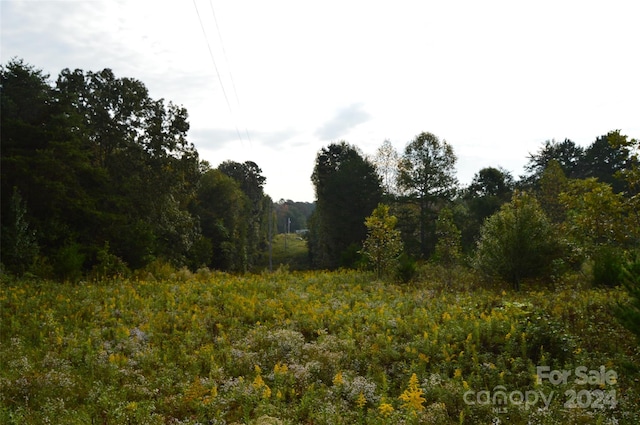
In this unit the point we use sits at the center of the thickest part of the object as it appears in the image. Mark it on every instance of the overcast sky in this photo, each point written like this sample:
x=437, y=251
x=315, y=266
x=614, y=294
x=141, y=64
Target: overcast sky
x=495, y=79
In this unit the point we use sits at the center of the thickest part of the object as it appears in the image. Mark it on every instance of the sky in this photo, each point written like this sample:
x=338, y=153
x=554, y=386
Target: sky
x=276, y=81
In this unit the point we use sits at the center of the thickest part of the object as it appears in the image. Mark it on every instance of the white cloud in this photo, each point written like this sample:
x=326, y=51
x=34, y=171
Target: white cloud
x=495, y=79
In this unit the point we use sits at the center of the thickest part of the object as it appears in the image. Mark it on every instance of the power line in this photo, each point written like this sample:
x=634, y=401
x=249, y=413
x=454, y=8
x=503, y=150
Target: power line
x=224, y=54
x=206, y=39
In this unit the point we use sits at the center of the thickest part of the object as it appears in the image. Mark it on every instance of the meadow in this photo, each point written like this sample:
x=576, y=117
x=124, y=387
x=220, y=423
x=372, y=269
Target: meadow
x=313, y=348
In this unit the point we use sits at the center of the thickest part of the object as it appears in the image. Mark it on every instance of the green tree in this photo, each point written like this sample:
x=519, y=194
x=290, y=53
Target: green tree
x=449, y=239
x=596, y=215
x=490, y=188
x=383, y=244
x=19, y=246
x=249, y=177
x=606, y=158
x=628, y=314
x=567, y=154
x=517, y=242
x=347, y=190
x=427, y=175
x=98, y=161
x=552, y=183
x=224, y=210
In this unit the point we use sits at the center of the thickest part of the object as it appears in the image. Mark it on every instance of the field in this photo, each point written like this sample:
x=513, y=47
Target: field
x=312, y=348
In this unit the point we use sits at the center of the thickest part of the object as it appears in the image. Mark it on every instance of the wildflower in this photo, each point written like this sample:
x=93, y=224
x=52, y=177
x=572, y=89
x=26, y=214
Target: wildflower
x=385, y=409
x=361, y=401
x=457, y=373
x=280, y=369
x=266, y=392
x=258, y=382
x=412, y=396
x=338, y=380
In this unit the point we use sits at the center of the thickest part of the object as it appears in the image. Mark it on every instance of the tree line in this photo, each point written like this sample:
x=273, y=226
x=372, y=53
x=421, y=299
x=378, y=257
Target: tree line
x=98, y=177
x=573, y=204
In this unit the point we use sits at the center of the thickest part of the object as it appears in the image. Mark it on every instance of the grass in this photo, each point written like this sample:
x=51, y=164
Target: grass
x=289, y=251
x=307, y=347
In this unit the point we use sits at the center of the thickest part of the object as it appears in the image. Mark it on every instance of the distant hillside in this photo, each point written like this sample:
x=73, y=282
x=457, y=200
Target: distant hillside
x=297, y=212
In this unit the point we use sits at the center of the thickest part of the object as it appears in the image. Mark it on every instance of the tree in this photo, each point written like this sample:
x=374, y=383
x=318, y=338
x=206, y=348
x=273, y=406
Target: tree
x=567, y=154
x=516, y=242
x=552, y=183
x=427, y=175
x=606, y=158
x=596, y=216
x=224, y=210
x=628, y=314
x=251, y=181
x=19, y=246
x=448, y=245
x=386, y=163
x=347, y=190
x=383, y=244
x=98, y=161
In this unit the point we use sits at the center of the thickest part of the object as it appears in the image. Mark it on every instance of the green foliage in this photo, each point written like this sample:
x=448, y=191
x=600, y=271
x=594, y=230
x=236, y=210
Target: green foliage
x=426, y=175
x=383, y=244
x=517, y=242
x=313, y=347
x=448, y=245
x=608, y=266
x=68, y=261
x=628, y=313
x=347, y=190
x=19, y=246
x=109, y=265
x=407, y=268
x=596, y=216
x=552, y=183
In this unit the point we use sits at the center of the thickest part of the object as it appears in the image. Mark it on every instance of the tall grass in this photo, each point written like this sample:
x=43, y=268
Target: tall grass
x=307, y=347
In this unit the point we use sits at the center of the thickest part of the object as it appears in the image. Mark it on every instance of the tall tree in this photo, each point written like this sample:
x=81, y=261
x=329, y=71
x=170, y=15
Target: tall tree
x=552, y=183
x=224, y=210
x=249, y=177
x=347, y=190
x=606, y=157
x=383, y=244
x=99, y=163
x=567, y=154
x=427, y=175
x=386, y=163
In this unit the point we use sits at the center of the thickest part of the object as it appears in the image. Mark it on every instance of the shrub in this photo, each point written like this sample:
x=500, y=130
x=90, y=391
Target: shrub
x=608, y=267
x=517, y=242
x=407, y=268
x=628, y=314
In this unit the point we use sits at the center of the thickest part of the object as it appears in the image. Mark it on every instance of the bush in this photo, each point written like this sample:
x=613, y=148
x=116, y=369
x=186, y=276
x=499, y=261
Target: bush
x=608, y=265
x=407, y=268
x=517, y=242
x=108, y=264
x=628, y=314
x=68, y=262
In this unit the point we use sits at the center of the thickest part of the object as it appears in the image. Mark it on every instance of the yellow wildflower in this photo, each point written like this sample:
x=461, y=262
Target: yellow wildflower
x=457, y=373
x=338, y=380
x=412, y=396
x=385, y=409
x=361, y=401
x=280, y=369
x=258, y=382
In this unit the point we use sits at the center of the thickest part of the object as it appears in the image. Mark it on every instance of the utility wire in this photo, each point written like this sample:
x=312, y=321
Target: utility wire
x=224, y=53
x=206, y=39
